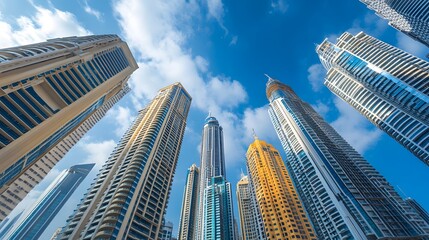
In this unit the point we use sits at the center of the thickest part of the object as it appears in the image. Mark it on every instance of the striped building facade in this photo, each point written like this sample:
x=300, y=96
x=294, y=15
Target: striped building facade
x=51, y=93
x=408, y=16
x=129, y=197
x=344, y=196
x=388, y=86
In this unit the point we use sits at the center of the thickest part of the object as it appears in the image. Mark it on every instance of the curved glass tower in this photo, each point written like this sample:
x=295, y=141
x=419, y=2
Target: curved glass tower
x=345, y=197
x=50, y=203
x=408, y=16
x=385, y=84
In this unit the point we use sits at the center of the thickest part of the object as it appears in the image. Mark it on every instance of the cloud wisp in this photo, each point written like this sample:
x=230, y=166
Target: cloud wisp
x=44, y=24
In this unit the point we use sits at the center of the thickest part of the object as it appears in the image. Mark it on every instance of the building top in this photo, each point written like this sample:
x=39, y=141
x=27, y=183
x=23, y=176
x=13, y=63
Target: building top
x=211, y=120
x=273, y=85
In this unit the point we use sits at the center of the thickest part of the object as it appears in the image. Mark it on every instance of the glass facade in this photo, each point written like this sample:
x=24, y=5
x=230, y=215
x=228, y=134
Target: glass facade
x=50, y=203
x=129, y=196
x=344, y=196
x=408, y=16
x=189, y=212
x=385, y=84
x=218, y=217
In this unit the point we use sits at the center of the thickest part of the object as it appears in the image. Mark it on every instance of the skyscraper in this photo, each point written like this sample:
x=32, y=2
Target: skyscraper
x=130, y=194
x=252, y=227
x=50, y=202
x=166, y=231
x=408, y=16
x=344, y=196
x=385, y=84
x=51, y=93
x=218, y=219
x=283, y=215
x=189, y=212
x=418, y=208
x=211, y=171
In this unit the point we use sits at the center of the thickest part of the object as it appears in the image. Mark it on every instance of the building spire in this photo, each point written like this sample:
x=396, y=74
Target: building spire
x=254, y=134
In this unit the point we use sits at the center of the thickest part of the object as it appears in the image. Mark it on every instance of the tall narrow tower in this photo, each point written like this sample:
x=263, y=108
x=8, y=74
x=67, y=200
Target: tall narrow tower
x=408, y=16
x=252, y=227
x=283, y=214
x=50, y=202
x=51, y=94
x=212, y=179
x=385, y=84
x=333, y=180
x=189, y=211
x=129, y=197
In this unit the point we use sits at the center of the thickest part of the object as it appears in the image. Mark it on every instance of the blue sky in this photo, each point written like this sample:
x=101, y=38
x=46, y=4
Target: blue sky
x=219, y=50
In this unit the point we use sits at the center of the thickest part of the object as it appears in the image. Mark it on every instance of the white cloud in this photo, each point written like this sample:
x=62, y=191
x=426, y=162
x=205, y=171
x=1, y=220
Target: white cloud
x=279, y=5
x=233, y=41
x=157, y=33
x=45, y=24
x=321, y=108
x=352, y=126
x=410, y=45
x=88, y=9
x=258, y=119
x=316, y=76
x=122, y=118
x=97, y=152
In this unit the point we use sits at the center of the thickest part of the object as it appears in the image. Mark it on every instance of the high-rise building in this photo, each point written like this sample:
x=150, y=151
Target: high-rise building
x=8, y=224
x=218, y=218
x=408, y=16
x=344, y=196
x=130, y=194
x=215, y=219
x=385, y=84
x=188, y=214
x=49, y=203
x=166, y=231
x=252, y=227
x=418, y=208
x=51, y=93
x=282, y=212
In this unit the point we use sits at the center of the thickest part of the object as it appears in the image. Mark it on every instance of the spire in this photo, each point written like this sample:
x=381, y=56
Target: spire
x=254, y=135
x=210, y=114
x=242, y=174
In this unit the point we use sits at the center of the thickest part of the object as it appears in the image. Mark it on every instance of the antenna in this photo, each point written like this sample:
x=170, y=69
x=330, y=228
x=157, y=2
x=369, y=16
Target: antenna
x=266, y=75
x=254, y=134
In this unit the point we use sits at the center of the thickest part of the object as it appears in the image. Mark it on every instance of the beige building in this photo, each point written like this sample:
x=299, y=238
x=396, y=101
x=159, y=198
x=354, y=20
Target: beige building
x=129, y=197
x=51, y=94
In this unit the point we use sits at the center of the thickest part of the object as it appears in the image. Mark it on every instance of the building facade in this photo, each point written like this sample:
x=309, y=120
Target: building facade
x=218, y=215
x=282, y=212
x=418, y=208
x=385, y=84
x=189, y=210
x=129, y=197
x=50, y=202
x=212, y=168
x=51, y=93
x=408, y=16
x=166, y=231
x=344, y=196
x=251, y=225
